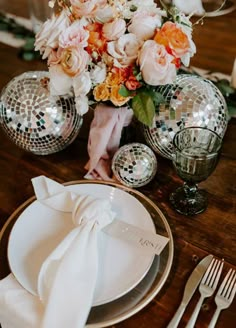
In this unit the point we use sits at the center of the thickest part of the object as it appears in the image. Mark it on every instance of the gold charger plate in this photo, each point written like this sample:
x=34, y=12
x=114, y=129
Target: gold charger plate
x=124, y=307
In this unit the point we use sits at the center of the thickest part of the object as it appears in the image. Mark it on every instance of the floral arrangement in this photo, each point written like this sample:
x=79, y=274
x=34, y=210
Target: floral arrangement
x=116, y=51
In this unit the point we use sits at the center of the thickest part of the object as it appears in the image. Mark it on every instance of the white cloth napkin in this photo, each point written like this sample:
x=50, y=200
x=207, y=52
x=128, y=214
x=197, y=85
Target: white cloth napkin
x=18, y=308
x=67, y=278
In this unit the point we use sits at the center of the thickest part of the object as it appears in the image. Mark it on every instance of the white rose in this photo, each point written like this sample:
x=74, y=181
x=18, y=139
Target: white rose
x=114, y=30
x=156, y=64
x=98, y=73
x=104, y=15
x=143, y=25
x=81, y=104
x=147, y=5
x=60, y=82
x=124, y=50
x=82, y=84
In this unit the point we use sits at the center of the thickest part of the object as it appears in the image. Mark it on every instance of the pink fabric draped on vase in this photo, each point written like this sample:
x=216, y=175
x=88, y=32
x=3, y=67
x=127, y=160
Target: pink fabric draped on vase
x=104, y=139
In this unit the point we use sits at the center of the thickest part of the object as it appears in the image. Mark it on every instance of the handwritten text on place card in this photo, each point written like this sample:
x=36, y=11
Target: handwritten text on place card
x=145, y=240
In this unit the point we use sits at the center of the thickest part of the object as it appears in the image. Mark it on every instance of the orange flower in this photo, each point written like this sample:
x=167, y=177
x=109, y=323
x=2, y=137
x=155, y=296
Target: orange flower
x=116, y=98
x=173, y=38
x=132, y=83
x=101, y=92
x=114, y=77
x=96, y=42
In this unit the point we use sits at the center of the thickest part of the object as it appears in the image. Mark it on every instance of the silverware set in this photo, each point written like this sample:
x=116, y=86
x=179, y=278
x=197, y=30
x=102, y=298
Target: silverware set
x=206, y=275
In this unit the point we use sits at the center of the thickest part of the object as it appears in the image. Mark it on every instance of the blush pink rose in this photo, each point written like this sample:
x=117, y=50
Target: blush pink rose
x=156, y=64
x=74, y=60
x=124, y=50
x=74, y=35
x=47, y=38
x=114, y=29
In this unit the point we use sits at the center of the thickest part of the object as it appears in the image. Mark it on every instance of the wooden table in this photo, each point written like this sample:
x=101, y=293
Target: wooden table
x=213, y=231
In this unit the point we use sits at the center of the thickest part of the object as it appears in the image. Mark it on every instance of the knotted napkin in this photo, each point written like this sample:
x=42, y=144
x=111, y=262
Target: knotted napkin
x=104, y=139
x=67, y=278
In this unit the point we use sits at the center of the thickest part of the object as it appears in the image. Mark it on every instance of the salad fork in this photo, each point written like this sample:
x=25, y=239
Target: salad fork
x=225, y=295
x=207, y=287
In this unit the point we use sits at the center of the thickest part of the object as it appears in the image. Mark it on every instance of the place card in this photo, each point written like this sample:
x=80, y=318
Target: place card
x=145, y=240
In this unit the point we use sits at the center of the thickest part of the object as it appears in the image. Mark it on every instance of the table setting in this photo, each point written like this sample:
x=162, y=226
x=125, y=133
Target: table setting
x=117, y=193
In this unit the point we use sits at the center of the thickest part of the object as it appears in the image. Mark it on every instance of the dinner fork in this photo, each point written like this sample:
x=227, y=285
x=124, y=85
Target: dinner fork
x=207, y=287
x=225, y=295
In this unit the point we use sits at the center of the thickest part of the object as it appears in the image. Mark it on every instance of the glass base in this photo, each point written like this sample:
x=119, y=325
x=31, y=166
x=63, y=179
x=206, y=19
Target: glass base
x=185, y=204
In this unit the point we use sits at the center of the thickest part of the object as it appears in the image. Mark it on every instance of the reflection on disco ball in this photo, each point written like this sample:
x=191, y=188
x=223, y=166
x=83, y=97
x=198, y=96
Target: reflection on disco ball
x=33, y=120
x=134, y=165
x=191, y=101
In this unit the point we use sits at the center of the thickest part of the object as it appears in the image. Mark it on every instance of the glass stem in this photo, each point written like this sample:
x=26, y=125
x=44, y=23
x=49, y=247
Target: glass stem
x=190, y=189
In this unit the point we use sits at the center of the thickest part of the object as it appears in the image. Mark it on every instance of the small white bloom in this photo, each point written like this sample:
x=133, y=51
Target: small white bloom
x=81, y=104
x=82, y=84
x=98, y=73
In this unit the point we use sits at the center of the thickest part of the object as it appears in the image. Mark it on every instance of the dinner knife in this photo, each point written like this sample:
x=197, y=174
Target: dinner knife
x=190, y=287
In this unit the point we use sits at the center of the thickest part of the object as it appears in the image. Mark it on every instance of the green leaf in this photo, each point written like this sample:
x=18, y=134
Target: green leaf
x=143, y=108
x=124, y=92
x=157, y=97
x=232, y=111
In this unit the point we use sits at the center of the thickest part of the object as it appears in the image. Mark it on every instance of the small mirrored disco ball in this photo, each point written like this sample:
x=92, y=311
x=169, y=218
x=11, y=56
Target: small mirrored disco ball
x=190, y=101
x=33, y=120
x=134, y=165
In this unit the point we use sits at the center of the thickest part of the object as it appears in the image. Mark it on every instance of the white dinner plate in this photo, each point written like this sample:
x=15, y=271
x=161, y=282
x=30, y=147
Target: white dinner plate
x=39, y=229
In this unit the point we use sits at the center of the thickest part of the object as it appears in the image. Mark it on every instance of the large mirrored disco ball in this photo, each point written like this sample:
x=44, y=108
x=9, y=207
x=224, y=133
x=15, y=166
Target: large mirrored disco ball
x=190, y=101
x=33, y=120
x=134, y=165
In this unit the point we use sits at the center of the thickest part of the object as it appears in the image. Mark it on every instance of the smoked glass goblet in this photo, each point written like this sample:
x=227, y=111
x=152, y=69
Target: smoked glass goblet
x=196, y=153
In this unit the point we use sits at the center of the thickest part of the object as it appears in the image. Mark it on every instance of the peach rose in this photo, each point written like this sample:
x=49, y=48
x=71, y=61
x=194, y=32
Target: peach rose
x=113, y=30
x=144, y=25
x=86, y=7
x=116, y=98
x=156, y=64
x=115, y=77
x=171, y=36
x=101, y=92
x=74, y=60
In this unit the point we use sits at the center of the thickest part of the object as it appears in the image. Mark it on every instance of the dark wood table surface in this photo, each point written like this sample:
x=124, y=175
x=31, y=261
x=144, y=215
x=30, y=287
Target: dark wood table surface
x=213, y=231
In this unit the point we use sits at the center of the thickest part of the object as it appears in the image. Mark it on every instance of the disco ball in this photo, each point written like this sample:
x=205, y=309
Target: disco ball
x=134, y=165
x=33, y=120
x=191, y=101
